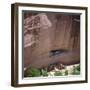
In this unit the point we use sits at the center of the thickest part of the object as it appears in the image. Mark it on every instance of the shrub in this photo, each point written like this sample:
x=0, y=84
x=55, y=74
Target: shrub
x=44, y=72
x=32, y=72
x=66, y=72
x=58, y=73
x=76, y=70
x=78, y=67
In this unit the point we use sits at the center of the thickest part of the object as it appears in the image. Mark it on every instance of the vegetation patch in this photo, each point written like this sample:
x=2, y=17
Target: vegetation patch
x=45, y=72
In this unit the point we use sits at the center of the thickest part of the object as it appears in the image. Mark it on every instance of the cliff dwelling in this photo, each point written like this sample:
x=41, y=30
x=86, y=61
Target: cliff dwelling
x=51, y=39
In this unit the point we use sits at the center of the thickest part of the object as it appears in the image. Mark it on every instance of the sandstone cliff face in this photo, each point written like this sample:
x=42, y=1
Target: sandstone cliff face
x=59, y=31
